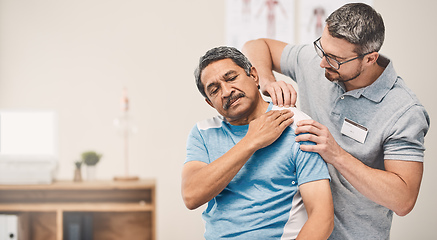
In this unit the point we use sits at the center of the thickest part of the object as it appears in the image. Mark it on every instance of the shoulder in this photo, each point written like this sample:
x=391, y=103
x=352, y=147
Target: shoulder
x=206, y=127
x=401, y=102
x=298, y=114
x=215, y=122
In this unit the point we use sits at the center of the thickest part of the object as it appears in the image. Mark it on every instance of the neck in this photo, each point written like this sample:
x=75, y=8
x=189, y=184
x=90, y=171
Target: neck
x=257, y=111
x=366, y=78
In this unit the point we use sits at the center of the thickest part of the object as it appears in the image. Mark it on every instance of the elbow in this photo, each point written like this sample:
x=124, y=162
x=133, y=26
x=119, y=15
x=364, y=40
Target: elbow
x=191, y=205
x=247, y=45
x=405, y=208
x=251, y=44
x=190, y=201
x=193, y=197
x=401, y=212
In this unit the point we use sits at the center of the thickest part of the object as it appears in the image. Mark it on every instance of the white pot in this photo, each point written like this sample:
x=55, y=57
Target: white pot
x=90, y=173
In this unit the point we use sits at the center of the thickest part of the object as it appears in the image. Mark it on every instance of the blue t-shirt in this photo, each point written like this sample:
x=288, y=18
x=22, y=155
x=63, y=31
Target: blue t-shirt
x=262, y=201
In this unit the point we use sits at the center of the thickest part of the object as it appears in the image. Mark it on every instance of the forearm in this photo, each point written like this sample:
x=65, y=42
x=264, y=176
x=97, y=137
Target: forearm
x=389, y=187
x=317, y=227
x=203, y=184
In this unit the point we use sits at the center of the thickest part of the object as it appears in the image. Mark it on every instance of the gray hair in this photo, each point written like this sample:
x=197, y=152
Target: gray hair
x=216, y=54
x=359, y=24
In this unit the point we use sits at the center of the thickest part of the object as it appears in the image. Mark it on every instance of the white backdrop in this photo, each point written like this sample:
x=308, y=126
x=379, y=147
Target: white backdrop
x=76, y=56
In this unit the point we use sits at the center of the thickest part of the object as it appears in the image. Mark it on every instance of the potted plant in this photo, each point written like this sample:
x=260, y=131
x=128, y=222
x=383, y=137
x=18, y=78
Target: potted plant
x=90, y=159
x=77, y=171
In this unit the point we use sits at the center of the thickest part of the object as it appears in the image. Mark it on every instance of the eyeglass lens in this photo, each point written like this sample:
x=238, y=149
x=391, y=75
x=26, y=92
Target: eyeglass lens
x=322, y=54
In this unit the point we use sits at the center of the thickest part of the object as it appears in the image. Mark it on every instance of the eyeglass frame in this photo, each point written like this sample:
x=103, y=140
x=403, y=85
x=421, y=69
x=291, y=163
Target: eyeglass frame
x=328, y=58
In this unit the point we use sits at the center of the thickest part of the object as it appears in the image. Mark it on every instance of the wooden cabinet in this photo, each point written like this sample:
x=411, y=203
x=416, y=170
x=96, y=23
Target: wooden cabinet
x=118, y=210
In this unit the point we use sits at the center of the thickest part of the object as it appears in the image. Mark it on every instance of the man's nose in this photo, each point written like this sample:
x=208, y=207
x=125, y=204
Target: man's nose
x=226, y=90
x=324, y=63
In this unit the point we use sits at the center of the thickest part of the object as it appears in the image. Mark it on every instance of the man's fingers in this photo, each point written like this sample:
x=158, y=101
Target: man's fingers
x=278, y=96
x=285, y=94
x=307, y=129
x=284, y=114
x=281, y=93
x=287, y=122
x=313, y=128
x=307, y=138
x=293, y=96
x=272, y=95
x=309, y=122
x=285, y=118
x=309, y=148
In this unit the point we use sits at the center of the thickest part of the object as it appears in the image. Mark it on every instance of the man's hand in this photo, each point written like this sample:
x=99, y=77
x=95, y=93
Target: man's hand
x=282, y=94
x=326, y=145
x=264, y=130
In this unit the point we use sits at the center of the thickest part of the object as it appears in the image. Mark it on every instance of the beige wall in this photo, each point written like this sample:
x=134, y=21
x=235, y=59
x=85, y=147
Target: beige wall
x=76, y=56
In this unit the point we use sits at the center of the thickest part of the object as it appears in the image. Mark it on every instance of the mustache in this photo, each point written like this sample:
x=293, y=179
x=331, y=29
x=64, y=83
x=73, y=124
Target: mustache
x=232, y=99
x=332, y=70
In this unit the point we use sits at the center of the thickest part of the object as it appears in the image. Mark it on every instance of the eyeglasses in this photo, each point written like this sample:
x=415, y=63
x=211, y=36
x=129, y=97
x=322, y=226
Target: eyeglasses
x=332, y=62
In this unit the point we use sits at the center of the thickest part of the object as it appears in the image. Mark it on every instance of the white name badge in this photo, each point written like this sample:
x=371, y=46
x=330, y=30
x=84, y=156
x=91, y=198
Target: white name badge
x=354, y=130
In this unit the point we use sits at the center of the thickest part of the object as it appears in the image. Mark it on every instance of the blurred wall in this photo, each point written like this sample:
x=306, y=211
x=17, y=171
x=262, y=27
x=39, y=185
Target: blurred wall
x=76, y=56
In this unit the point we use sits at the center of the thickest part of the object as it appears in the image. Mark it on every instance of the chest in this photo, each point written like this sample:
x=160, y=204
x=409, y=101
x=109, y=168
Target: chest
x=274, y=163
x=367, y=121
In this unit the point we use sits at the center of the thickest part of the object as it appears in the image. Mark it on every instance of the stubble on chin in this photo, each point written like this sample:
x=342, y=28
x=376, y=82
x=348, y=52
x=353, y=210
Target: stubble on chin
x=330, y=75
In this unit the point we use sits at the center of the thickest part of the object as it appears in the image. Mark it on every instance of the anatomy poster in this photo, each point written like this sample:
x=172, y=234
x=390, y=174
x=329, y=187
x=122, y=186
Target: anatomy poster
x=251, y=19
x=312, y=15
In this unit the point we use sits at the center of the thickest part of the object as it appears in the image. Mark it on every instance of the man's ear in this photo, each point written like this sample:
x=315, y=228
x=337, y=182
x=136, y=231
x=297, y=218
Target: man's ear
x=209, y=102
x=254, y=75
x=372, y=57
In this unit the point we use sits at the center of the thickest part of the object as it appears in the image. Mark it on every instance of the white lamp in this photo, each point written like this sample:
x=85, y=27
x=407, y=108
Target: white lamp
x=125, y=128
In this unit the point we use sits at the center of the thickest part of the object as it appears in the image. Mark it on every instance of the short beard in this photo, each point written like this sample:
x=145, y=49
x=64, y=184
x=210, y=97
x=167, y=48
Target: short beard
x=231, y=99
x=340, y=79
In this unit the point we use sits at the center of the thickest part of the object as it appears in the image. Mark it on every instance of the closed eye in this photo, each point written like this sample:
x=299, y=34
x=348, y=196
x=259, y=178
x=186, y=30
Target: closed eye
x=213, y=88
x=213, y=91
x=232, y=78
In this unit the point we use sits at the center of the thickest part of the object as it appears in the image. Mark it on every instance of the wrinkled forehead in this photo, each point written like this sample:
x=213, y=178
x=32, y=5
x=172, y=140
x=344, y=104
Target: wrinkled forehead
x=219, y=70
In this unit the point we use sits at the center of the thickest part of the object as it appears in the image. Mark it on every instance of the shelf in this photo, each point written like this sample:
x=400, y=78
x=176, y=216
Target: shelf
x=80, y=192
x=78, y=207
x=84, y=185
x=119, y=209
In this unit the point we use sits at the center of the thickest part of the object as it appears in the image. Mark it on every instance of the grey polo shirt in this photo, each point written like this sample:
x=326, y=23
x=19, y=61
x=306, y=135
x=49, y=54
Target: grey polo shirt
x=383, y=121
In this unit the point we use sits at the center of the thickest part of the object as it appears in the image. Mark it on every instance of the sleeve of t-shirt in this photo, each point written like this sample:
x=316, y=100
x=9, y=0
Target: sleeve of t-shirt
x=310, y=167
x=406, y=138
x=294, y=55
x=196, y=149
